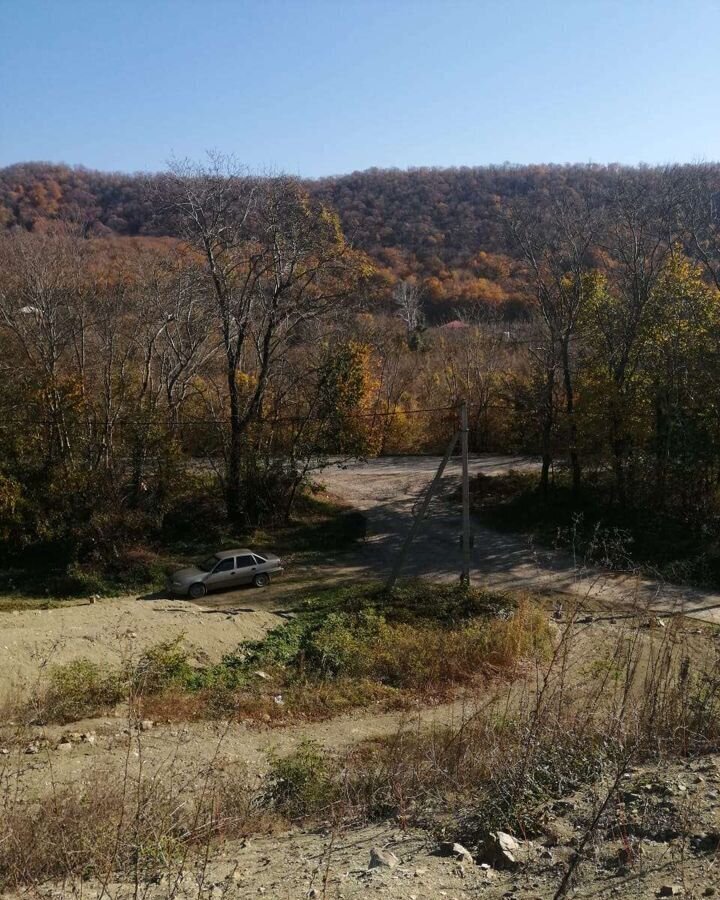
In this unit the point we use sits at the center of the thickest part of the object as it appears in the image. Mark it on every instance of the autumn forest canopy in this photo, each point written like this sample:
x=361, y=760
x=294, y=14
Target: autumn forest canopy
x=181, y=351
x=442, y=226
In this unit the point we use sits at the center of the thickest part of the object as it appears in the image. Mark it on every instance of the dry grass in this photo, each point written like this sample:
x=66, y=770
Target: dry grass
x=137, y=825
x=583, y=719
x=608, y=696
x=350, y=651
x=355, y=660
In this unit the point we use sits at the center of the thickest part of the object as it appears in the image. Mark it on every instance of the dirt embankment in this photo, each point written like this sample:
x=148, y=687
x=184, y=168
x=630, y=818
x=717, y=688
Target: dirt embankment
x=110, y=631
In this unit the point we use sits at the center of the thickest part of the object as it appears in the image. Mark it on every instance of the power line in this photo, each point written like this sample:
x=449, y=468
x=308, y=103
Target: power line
x=225, y=420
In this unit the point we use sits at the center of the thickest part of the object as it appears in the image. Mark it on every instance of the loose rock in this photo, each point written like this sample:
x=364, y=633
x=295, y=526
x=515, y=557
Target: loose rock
x=499, y=850
x=449, y=848
x=380, y=858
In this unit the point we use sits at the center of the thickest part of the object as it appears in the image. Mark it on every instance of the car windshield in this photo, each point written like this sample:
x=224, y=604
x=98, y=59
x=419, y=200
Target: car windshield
x=209, y=564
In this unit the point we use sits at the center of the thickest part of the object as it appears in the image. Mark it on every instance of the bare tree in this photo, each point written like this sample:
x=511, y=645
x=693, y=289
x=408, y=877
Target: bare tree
x=408, y=303
x=42, y=300
x=555, y=239
x=638, y=239
x=273, y=260
x=696, y=192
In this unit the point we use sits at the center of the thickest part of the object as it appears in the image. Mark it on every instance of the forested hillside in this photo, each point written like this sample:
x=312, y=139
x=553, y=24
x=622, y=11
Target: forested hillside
x=443, y=226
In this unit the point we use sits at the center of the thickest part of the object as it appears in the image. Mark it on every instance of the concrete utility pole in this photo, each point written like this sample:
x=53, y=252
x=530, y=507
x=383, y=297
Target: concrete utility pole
x=466, y=538
x=417, y=521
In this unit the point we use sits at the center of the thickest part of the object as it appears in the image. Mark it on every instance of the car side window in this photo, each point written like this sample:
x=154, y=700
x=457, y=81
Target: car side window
x=259, y=560
x=227, y=565
x=244, y=561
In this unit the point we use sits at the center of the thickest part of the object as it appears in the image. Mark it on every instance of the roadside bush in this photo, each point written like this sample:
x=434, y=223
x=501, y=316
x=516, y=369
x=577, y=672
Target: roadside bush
x=77, y=581
x=201, y=512
x=447, y=604
x=135, y=566
x=417, y=656
x=267, y=489
x=11, y=494
x=83, y=688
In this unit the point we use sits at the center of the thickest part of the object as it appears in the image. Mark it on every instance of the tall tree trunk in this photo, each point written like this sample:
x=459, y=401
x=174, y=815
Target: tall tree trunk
x=139, y=455
x=233, y=487
x=618, y=448
x=662, y=436
x=547, y=427
x=572, y=424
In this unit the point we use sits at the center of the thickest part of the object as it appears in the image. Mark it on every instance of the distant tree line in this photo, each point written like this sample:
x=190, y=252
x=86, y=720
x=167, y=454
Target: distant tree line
x=440, y=226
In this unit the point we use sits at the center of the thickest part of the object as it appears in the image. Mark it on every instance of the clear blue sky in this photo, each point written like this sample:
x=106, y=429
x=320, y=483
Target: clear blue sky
x=319, y=87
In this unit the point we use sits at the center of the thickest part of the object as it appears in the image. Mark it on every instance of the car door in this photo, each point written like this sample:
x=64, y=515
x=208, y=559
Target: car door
x=223, y=575
x=245, y=569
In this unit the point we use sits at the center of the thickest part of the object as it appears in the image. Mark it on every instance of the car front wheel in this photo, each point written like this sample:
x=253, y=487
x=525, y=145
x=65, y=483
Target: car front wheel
x=262, y=579
x=197, y=590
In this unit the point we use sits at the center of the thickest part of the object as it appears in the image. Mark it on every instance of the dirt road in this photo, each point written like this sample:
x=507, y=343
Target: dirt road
x=387, y=490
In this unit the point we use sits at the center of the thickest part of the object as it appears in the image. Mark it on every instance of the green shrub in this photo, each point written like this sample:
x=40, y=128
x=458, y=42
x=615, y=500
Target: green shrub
x=163, y=666
x=77, y=581
x=302, y=783
x=422, y=655
x=80, y=688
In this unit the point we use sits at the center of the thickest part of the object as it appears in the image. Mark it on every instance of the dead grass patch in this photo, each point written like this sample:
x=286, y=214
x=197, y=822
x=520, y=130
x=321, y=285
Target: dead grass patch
x=139, y=825
x=575, y=724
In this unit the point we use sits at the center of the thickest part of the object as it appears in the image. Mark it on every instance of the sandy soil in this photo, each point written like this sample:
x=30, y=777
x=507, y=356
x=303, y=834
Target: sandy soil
x=109, y=631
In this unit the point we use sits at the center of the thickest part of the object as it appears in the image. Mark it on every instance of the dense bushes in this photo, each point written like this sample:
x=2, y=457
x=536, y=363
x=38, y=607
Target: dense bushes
x=420, y=656
x=328, y=659
x=75, y=535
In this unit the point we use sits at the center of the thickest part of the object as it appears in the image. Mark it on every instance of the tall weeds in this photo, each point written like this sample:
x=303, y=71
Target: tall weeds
x=137, y=823
x=641, y=695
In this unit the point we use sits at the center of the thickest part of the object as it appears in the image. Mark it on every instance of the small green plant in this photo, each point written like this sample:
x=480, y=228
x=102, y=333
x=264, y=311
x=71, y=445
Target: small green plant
x=163, y=666
x=302, y=783
x=80, y=688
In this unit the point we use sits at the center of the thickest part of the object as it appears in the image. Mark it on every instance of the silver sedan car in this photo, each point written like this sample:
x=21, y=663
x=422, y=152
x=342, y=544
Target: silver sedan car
x=226, y=569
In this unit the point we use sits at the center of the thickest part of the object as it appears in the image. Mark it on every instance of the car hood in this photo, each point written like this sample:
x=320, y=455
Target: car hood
x=192, y=572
